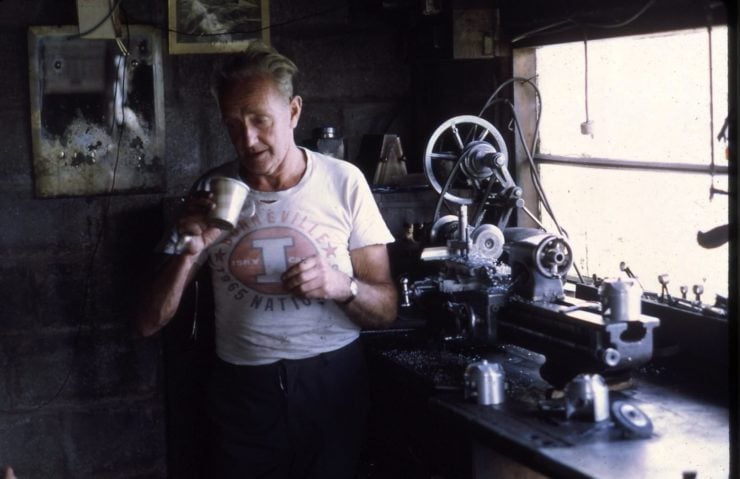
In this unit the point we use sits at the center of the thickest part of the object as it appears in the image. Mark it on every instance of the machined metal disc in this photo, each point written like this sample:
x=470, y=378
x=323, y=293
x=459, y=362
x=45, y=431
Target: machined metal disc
x=488, y=241
x=632, y=419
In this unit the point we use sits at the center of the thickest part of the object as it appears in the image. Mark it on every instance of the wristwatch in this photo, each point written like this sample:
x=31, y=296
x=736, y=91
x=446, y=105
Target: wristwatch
x=353, y=289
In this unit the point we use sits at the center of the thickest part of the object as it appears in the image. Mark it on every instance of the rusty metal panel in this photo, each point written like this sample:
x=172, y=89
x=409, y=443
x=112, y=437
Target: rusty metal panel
x=97, y=114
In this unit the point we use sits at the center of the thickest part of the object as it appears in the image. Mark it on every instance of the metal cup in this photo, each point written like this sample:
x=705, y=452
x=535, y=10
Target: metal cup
x=229, y=195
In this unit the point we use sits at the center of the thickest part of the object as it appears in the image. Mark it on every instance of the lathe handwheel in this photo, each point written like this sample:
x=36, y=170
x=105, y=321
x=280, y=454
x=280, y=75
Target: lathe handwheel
x=444, y=150
x=553, y=257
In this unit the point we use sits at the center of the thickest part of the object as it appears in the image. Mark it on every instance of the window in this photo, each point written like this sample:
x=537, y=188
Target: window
x=638, y=188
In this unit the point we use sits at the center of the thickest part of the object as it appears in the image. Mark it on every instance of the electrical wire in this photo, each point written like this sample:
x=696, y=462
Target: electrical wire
x=585, y=74
x=570, y=23
x=623, y=23
x=712, y=166
x=244, y=32
x=538, y=103
x=528, y=150
x=102, y=21
x=538, y=186
x=258, y=30
x=446, y=187
x=534, y=172
x=87, y=289
x=536, y=180
x=533, y=217
x=567, y=24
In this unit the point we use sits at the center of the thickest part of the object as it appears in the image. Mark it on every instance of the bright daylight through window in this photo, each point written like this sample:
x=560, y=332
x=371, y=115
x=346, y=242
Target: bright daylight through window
x=647, y=100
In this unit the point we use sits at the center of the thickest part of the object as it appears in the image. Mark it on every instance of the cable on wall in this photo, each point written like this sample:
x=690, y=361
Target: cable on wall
x=533, y=171
x=570, y=23
x=111, y=11
x=587, y=127
x=258, y=30
x=119, y=89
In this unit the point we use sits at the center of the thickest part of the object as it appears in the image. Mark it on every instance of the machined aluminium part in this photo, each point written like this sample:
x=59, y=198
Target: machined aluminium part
x=485, y=382
x=621, y=300
x=631, y=419
x=487, y=242
x=587, y=396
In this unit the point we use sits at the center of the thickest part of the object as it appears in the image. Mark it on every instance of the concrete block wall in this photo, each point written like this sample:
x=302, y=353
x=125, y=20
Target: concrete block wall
x=80, y=395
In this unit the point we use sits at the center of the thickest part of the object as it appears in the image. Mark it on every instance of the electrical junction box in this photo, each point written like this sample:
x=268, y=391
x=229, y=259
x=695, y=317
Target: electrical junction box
x=90, y=14
x=472, y=32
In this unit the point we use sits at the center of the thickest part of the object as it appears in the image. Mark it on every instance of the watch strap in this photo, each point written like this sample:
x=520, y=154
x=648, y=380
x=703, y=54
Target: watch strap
x=352, y=292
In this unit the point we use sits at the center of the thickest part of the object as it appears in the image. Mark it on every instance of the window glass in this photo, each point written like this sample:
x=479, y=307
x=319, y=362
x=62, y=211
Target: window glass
x=648, y=97
x=649, y=220
x=649, y=100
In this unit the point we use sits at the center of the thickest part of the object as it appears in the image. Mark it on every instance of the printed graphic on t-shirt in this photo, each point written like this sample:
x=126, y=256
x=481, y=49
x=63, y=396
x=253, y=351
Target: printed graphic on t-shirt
x=262, y=256
x=248, y=264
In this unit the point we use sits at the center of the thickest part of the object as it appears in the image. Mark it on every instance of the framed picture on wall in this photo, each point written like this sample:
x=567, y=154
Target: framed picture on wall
x=216, y=26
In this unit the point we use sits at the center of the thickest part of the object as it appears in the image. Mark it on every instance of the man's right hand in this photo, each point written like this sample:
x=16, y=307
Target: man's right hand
x=161, y=298
x=192, y=225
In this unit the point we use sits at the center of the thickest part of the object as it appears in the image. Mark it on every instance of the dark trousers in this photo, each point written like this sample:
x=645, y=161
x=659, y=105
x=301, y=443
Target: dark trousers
x=297, y=419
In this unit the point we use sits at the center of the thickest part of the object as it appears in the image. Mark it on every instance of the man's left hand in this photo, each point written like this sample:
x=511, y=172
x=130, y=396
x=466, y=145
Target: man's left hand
x=314, y=277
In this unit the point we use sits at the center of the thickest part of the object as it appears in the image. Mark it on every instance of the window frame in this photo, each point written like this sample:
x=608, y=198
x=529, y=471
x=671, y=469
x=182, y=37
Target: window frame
x=525, y=66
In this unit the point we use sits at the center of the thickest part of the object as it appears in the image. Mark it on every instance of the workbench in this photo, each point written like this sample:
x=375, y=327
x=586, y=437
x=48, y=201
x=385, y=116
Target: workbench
x=422, y=426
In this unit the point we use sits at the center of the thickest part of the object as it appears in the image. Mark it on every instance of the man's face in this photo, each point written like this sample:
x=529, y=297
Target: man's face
x=260, y=122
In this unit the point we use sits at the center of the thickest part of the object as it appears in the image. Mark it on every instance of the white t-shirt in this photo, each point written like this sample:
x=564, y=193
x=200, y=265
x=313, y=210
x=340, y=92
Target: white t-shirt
x=329, y=212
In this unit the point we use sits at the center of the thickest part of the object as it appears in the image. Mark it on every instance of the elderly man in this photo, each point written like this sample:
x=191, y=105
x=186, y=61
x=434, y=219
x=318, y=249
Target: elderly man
x=305, y=269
